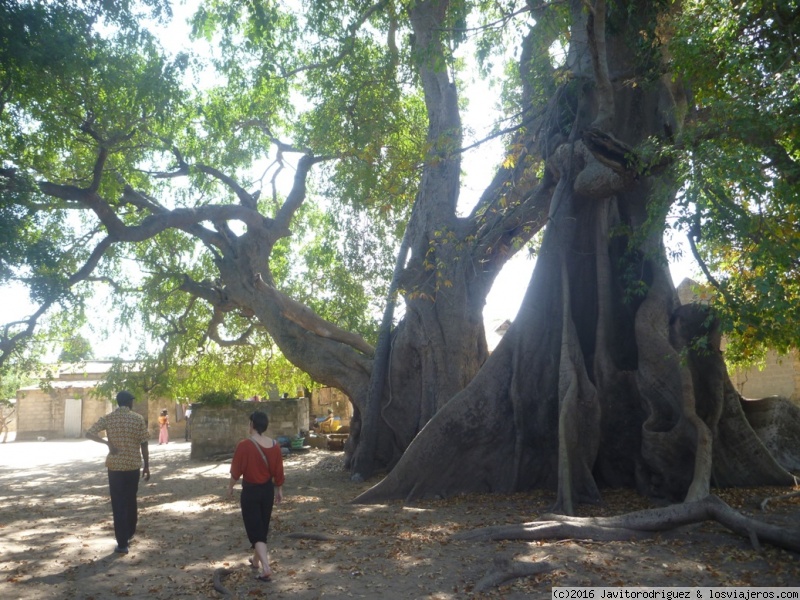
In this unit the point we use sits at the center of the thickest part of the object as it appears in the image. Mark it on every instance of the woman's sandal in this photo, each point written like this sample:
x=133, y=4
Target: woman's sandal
x=264, y=578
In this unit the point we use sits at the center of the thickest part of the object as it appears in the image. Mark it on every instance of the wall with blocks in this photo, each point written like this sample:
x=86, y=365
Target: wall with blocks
x=217, y=430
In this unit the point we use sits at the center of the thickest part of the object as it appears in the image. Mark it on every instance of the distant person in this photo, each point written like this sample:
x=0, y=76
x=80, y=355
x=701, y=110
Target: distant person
x=187, y=432
x=163, y=427
x=256, y=398
x=258, y=461
x=328, y=425
x=126, y=434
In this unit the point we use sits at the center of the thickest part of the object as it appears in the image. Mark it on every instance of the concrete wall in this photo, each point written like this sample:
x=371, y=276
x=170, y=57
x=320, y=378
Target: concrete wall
x=217, y=430
x=779, y=377
x=40, y=413
x=93, y=409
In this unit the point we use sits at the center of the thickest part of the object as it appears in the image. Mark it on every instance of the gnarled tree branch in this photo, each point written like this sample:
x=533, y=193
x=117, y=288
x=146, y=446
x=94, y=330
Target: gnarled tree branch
x=304, y=317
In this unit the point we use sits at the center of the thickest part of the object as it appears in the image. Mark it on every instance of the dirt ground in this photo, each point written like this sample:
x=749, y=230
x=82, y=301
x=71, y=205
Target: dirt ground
x=56, y=538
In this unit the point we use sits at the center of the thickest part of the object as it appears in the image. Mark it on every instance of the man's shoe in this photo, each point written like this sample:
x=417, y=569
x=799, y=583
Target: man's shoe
x=121, y=549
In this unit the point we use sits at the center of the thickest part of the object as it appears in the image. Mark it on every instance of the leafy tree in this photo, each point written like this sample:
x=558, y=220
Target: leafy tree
x=76, y=349
x=8, y=411
x=10, y=382
x=602, y=380
x=740, y=162
x=217, y=398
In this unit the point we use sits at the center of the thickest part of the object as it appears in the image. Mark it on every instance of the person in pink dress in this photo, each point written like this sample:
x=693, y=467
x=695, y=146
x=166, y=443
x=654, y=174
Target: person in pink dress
x=163, y=428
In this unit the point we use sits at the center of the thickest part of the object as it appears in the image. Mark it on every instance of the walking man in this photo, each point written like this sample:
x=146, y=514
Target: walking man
x=126, y=438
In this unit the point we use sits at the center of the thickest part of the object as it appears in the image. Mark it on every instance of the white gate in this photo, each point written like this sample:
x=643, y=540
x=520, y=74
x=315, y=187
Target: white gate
x=72, y=417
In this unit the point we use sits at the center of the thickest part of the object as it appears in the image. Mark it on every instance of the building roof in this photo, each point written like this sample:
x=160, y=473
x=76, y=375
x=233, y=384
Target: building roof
x=495, y=330
x=93, y=367
x=689, y=292
x=84, y=375
x=64, y=384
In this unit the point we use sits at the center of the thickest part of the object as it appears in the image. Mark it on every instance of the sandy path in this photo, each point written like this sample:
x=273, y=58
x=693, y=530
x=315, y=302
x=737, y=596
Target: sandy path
x=56, y=538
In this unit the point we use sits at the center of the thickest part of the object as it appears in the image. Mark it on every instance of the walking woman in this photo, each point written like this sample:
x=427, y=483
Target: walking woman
x=259, y=463
x=163, y=427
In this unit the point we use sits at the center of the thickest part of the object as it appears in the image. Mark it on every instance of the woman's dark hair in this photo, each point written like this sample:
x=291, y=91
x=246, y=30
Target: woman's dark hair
x=260, y=421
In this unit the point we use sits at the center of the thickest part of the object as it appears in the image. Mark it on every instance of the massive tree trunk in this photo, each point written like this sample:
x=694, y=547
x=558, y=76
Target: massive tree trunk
x=439, y=345
x=598, y=381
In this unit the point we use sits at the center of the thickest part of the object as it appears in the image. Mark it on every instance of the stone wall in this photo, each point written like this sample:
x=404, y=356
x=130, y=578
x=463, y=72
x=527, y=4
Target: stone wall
x=780, y=376
x=40, y=413
x=217, y=430
x=36, y=415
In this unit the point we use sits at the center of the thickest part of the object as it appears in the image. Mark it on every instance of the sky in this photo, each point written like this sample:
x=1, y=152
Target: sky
x=503, y=301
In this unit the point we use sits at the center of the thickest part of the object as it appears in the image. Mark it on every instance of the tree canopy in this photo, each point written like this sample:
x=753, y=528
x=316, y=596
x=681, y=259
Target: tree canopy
x=292, y=195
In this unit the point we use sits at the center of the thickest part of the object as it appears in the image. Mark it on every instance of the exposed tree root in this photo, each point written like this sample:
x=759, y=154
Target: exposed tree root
x=219, y=574
x=769, y=499
x=643, y=523
x=220, y=457
x=506, y=570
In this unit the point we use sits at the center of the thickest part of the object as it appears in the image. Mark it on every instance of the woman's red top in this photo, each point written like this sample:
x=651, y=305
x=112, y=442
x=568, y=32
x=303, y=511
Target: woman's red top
x=247, y=463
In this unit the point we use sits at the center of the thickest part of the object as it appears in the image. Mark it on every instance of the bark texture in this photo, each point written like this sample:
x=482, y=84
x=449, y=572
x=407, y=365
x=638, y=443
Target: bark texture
x=599, y=381
x=439, y=345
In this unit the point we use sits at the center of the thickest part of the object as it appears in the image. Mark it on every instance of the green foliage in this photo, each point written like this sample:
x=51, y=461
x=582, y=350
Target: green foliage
x=63, y=87
x=338, y=79
x=10, y=382
x=343, y=269
x=76, y=349
x=742, y=164
x=218, y=398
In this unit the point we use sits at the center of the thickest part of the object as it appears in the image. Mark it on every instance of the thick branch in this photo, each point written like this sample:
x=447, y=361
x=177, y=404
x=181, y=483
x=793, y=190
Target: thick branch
x=596, y=28
x=208, y=292
x=298, y=194
x=213, y=332
x=141, y=201
x=304, y=317
x=185, y=219
x=97, y=172
x=244, y=196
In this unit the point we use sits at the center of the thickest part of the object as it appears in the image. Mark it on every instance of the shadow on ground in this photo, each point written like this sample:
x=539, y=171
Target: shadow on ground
x=56, y=537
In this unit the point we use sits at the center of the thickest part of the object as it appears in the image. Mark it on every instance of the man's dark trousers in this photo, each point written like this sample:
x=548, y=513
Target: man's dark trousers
x=123, y=486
